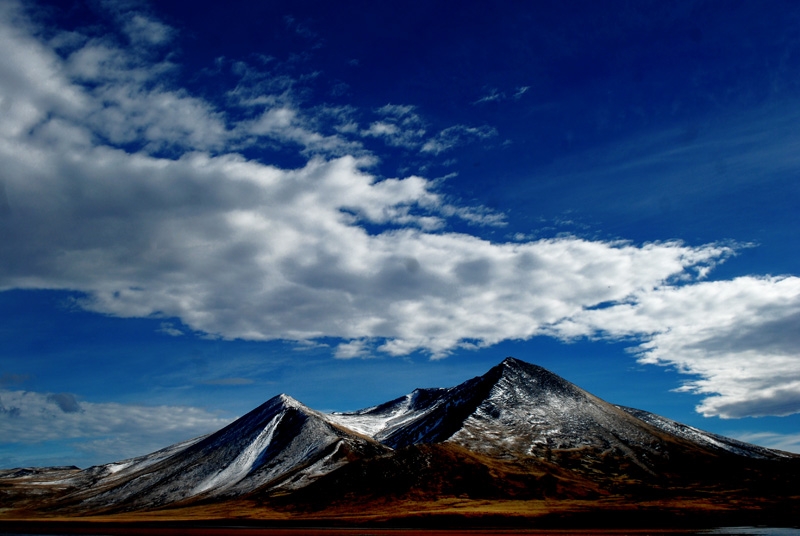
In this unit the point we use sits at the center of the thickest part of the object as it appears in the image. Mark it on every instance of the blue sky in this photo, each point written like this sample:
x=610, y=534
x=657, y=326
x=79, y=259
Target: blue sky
x=202, y=208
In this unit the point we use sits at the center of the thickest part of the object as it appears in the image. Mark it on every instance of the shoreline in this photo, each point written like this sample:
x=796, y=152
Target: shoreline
x=397, y=527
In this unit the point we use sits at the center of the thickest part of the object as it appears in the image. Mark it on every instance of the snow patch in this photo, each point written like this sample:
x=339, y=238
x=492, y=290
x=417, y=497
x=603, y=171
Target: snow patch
x=241, y=466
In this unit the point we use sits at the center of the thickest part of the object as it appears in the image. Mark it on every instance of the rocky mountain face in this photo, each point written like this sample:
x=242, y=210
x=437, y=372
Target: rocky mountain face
x=519, y=432
x=281, y=445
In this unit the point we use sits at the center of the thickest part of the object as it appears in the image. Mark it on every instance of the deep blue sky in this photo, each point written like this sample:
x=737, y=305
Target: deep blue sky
x=202, y=208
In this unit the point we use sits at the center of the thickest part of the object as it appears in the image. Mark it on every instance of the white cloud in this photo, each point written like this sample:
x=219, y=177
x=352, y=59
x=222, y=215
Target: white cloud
x=495, y=95
x=354, y=348
x=399, y=111
x=28, y=418
x=99, y=87
x=167, y=328
x=142, y=30
x=34, y=82
x=125, y=106
x=381, y=129
x=738, y=337
x=457, y=135
x=239, y=249
x=284, y=124
x=476, y=215
x=399, y=126
x=492, y=96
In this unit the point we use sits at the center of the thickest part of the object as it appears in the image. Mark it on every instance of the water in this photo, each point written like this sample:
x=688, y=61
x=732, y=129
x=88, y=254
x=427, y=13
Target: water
x=755, y=531
x=217, y=531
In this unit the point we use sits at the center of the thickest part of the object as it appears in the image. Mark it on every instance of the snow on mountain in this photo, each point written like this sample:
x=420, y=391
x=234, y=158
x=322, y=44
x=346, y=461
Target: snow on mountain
x=529, y=410
x=696, y=435
x=380, y=421
x=515, y=407
x=516, y=413
x=520, y=410
x=281, y=444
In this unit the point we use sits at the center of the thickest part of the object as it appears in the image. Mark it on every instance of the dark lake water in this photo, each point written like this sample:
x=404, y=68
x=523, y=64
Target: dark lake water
x=249, y=531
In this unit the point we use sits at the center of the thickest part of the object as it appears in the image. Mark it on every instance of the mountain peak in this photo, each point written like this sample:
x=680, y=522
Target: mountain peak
x=514, y=365
x=511, y=362
x=518, y=415
x=515, y=374
x=517, y=364
x=290, y=402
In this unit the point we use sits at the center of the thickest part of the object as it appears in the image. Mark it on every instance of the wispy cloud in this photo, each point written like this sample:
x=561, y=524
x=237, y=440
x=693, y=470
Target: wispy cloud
x=520, y=91
x=495, y=95
x=457, y=135
x=133, y=193
x=168, y=328
x=785, y=442
x=29, y=418
x=286, y=125
x=399, y=126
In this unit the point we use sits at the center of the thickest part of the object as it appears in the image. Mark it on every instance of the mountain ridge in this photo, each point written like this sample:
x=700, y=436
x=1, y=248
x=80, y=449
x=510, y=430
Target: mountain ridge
x=517, y=432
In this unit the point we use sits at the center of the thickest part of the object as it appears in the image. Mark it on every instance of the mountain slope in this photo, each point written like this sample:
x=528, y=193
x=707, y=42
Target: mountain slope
x=516, y=433
x=380, y=422
x=712, y=441
x=520, y=410
x=281, y=444
x=520, y=432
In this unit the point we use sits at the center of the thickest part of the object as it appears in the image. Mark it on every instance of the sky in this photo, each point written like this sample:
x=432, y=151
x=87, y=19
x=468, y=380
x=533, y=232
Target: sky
x=204, y=206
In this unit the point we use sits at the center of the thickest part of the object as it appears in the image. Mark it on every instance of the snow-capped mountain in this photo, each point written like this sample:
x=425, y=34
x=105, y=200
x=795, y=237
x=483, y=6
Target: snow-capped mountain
x=520, y=409
x=517, y=431
x=282, y=444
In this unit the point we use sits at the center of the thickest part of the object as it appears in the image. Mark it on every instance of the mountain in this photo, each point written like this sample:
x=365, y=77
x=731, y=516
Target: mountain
x=522, y=410
x=707, y=439
x=518, y=434
x=281, y=444
x=514, y=409
x=542, y=436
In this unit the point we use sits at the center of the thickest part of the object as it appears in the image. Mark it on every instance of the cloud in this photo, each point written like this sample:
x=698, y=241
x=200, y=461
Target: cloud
x=66, y=402
x=476, y=215
x=99, y=91
x=399, y=126
x=457, y=135
x=520, y=91
x=355, y=348
x=283, y=123
x=132, y=192
x=168, y=328
x=495, y=95
x=785, y=442
x=738, y=337
x=142, y=30
x=29, y=418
